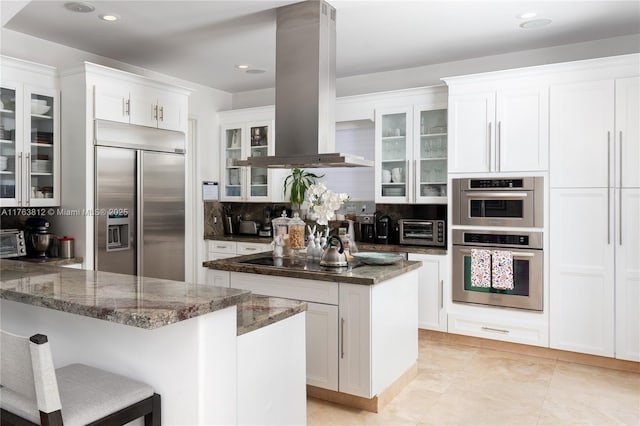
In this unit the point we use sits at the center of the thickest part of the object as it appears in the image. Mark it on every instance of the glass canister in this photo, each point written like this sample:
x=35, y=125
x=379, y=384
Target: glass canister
x=280, y=230
x=296, y=233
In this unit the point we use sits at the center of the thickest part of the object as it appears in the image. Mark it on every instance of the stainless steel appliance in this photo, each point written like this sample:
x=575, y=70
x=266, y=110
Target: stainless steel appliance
x=12, y=243
x=367, y=228
x=422, y=232
x=514, y=202
x=305, y=91
x=140, y=199
x=248, y=227
x=383, y=230
x=526, y=251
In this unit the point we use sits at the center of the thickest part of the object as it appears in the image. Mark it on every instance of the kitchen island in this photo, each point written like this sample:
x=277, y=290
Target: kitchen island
x=182, y=339
x=362, y=322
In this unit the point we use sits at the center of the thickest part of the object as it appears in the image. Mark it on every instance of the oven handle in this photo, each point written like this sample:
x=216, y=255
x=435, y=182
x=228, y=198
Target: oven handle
x=514, y=254
x=496, y=195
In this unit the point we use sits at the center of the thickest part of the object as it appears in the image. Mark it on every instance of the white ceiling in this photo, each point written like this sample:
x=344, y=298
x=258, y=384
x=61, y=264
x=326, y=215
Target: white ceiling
x=202, y=41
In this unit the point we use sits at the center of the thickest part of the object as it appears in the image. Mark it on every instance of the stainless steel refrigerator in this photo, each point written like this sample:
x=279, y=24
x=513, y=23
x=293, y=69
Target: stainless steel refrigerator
x=139, y=198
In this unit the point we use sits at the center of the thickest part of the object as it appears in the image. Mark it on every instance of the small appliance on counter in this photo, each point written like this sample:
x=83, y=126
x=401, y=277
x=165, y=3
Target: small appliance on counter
x=367, y=227
x=38, y=237
x=422, y=232
x=248, y=227
x=383, y=230
x=12, y=243
x=66, y=247
x=229, y=229
x=266, y=228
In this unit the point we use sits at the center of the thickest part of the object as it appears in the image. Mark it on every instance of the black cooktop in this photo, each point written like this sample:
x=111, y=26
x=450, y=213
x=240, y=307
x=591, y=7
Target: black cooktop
x=297, y=263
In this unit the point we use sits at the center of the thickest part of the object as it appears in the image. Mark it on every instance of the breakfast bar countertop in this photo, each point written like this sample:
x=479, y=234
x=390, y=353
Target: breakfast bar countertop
x=141, y=302
x=356, y=273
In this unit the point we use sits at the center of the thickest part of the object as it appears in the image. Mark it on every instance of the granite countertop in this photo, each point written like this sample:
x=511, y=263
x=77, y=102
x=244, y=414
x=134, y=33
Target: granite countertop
x=125, y=299
x=395, y=248
x=356, y=273
x=259, y=311
x=58, y=261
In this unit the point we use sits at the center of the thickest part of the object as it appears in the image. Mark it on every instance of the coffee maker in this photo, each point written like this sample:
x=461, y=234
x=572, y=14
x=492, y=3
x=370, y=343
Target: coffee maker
x=38, y=237
x=383, y=230
x=367, y=224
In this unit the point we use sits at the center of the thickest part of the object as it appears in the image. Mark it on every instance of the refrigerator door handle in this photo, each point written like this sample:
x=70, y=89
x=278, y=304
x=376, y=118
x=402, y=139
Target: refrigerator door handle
x=140, y=215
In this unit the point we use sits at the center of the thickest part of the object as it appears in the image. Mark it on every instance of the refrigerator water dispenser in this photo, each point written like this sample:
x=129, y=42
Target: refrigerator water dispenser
x=117, y=232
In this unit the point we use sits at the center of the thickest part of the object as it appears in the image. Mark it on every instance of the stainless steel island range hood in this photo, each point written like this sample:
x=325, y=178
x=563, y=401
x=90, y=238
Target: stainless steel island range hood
x=305, y=91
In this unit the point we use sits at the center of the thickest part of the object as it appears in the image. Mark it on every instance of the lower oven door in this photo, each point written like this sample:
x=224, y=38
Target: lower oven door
x=527, y=280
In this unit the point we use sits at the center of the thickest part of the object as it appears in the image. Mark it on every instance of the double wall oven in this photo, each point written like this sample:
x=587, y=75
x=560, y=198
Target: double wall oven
x=498, y=255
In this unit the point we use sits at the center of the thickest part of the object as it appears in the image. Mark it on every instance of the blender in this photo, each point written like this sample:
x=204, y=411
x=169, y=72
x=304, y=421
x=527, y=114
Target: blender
x=38, y=237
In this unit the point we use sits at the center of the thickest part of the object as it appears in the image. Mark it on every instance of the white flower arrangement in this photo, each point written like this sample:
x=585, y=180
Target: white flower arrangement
x=324, y=203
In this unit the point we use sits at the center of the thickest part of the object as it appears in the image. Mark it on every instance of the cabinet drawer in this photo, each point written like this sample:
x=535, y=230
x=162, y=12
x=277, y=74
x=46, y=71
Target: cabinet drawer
x=516, y=332
x=288, y=288
x=250, y=248
x=222, y=247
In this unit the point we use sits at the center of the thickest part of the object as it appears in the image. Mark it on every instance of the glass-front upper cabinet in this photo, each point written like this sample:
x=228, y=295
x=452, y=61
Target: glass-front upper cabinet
x=10, y=152
x=29, y=147
x=393, y=154
x=431, y=162
x=239, y=142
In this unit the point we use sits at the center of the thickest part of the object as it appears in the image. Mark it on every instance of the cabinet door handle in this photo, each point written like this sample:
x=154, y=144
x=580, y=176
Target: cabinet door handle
x=161, y=113
x=250, y=248
x=494, y=330
x=441, y=294
x=620, y=156
x=18, y=176
x=498, y=146
x=126, y=106
x=222, y=247
x=489, y=150
x=155, y=112
x=620, y=213
x=608, y=187
x=27, y=160
x=341, y=337
x=416, y=181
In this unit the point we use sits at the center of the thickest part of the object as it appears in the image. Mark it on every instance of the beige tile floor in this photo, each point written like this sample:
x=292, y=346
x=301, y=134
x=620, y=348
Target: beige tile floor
x=465, y=385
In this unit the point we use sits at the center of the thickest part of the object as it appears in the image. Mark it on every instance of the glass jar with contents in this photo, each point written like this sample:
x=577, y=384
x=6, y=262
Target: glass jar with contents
x=280, y=230
x=296, y=233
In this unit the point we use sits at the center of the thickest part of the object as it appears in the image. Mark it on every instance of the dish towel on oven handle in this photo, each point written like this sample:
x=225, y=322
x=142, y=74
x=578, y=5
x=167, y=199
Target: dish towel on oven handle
x=480, y=268
x=502, y=270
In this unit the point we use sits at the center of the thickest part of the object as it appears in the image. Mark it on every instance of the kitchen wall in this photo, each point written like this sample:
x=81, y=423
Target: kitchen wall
x=431, y=74
x=204, y=103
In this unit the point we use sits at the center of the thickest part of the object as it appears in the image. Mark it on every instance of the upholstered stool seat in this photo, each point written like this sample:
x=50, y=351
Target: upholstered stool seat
x=76, y=394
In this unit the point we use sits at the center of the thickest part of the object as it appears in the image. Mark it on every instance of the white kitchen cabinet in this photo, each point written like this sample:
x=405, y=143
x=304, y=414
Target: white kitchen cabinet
x=595, y=261
x=411, y=154
x=29, y=136
x=433, y=279
x=240, y=141
x=127, y=102
x=322, y=349
x=360, y=338
x=497, y=127
x=355, y=340
x=627, y=275
x=224, y=250
x=582, y=271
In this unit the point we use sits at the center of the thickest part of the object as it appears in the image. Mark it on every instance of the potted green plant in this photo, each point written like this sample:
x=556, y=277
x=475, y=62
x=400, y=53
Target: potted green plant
x=296, y=185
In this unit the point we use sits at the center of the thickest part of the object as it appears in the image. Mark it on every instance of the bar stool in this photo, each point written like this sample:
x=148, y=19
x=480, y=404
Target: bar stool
x=32, y=392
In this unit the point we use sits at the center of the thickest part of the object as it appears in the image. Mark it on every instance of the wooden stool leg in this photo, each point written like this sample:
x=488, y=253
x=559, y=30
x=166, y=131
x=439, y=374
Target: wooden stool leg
x=153, y=418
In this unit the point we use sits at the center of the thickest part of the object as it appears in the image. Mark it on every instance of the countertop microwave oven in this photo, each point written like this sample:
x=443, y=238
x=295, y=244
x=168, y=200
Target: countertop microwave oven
x=12, y=243
x=422, y=232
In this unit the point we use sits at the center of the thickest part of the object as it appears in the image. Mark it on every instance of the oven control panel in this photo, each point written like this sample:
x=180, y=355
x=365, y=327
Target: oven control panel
x=495, y=183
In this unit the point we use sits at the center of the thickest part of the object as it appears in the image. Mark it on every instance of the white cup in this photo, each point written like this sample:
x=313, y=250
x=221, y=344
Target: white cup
x=396, y=174
x=386, y=176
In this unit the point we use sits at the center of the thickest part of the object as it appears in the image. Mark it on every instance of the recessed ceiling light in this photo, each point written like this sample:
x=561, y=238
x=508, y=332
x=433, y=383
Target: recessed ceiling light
x=79, y=7
x=526, y=15
x=242, y=66
x=110, y=17
x=256, y=71
x=535, y=23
